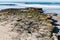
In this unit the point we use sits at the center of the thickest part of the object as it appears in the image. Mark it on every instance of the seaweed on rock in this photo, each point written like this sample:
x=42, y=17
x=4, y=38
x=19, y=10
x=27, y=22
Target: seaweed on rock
x=30, y=22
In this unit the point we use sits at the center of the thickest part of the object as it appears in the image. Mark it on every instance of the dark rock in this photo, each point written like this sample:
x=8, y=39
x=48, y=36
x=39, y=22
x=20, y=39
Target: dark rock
x=19, y=20
x=52, y=14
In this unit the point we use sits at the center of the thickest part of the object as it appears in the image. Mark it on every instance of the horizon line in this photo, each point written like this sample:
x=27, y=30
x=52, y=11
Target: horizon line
x=20, y=1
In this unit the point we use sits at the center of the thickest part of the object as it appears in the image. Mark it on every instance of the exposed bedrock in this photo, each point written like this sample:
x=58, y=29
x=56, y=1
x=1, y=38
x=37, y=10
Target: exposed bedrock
x=31, y=23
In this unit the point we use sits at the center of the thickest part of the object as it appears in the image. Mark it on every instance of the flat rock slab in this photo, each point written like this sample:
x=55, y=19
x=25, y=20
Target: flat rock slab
x=5, y=33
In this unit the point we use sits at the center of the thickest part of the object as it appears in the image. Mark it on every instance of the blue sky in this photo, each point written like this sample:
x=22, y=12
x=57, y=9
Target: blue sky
x=33, y=0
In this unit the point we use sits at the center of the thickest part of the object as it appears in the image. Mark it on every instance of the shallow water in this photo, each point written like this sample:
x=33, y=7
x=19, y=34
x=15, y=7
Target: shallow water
x=52, y=10
x=47, y=7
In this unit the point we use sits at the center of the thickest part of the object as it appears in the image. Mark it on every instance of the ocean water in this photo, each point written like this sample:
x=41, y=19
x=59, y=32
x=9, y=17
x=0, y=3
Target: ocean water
x=48, y=7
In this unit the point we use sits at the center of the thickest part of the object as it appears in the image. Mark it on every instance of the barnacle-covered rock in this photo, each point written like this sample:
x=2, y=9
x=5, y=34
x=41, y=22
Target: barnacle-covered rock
x=30, y=23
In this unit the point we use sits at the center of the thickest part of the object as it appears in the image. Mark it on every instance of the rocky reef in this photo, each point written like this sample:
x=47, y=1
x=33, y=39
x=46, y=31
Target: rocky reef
x=30, y=23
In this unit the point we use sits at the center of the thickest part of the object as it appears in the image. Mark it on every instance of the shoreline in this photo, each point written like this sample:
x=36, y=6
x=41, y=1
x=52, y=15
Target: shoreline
x=46, y=8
